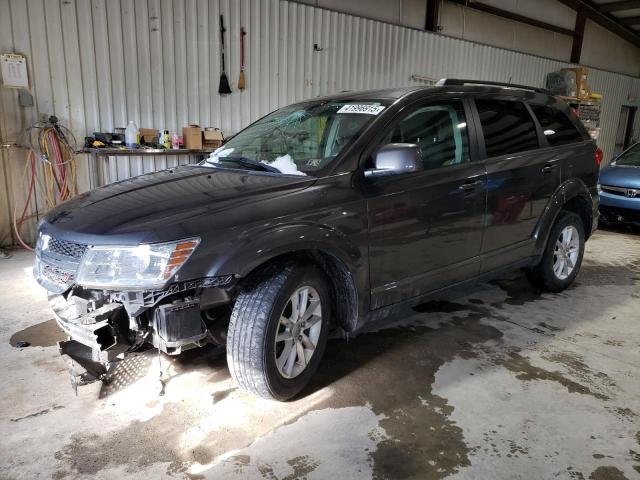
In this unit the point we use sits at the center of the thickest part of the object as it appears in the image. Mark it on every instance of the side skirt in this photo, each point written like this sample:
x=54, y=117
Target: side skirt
x=385, y=315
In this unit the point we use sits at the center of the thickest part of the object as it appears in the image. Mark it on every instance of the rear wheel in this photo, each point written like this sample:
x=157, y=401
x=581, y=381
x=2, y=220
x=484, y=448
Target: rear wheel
x=278, y=330
x=562, y=257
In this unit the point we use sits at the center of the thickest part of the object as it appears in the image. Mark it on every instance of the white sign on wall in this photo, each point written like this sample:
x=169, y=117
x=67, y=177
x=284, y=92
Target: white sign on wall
x=14, y=70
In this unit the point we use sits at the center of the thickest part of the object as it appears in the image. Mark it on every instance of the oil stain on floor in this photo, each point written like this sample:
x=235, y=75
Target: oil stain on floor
x=45, y=334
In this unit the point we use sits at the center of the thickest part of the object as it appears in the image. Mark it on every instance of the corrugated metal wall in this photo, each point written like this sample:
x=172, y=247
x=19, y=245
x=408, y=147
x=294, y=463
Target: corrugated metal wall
x=97, y=64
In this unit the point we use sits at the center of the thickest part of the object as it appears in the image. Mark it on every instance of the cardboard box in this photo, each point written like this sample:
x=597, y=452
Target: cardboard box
x=148, y=135
x=582, y=87
x=562, y=83
x=192, y=136
x=213, y=137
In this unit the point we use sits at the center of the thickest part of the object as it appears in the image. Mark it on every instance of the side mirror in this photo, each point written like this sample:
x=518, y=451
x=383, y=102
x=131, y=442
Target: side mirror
x=395, y=159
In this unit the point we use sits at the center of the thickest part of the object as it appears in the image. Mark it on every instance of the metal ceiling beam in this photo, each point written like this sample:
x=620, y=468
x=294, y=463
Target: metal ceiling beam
x=483, y=7
x=431, y=21
x=606, y=20
x=576, y=47
x=617, y=6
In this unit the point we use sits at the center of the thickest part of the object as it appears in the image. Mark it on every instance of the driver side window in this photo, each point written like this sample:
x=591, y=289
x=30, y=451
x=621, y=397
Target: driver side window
x=440, y=131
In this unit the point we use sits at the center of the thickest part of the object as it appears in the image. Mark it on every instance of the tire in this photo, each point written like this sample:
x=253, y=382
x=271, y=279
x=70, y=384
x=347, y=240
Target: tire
x=252, y=350
x=551, y=275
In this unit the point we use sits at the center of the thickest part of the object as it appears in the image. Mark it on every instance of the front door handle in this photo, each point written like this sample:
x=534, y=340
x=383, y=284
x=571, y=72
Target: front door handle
x=470, y=185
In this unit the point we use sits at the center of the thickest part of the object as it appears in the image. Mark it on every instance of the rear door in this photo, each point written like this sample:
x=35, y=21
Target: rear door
x=572, y=148
x=521, y=177
x=426, y=227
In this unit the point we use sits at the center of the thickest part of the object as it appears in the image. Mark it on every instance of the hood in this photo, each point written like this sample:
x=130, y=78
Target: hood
x=625, y=176
x=167, y=205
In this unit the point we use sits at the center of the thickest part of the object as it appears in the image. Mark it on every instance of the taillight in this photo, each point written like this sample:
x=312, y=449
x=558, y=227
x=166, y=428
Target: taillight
x=599, y=156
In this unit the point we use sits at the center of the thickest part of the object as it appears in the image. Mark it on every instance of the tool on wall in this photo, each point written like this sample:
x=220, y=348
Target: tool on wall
x=241, y=79
x=224, y=81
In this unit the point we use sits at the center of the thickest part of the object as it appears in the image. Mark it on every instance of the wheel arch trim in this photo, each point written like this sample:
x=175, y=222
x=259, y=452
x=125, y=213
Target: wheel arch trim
x=569, y=190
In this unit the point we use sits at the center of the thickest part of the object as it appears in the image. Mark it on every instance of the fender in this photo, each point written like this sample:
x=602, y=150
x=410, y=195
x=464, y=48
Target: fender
x=262, y=246
x=569, y=189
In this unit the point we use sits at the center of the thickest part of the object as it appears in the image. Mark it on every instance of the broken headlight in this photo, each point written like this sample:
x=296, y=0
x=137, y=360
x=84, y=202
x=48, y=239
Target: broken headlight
x=143, y=266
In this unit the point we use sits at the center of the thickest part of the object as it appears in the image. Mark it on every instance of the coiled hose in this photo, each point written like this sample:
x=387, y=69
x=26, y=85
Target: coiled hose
x=51, y=165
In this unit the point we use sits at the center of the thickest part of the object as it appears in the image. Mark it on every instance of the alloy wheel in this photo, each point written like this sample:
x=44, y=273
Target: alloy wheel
x=566, y=251
x=298, y=332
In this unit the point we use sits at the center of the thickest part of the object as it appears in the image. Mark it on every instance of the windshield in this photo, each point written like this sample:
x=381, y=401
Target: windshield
x=299, y=139
x=630, y=157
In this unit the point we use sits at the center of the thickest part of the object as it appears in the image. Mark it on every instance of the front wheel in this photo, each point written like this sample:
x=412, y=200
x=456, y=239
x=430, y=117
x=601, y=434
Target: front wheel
x=562, y=256
x=278, y=330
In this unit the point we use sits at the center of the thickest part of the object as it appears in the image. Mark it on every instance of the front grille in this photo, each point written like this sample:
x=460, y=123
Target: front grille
x=623, y=192
x=57, y=262
x=57, y=275
x=67, y=249
x=614, y=190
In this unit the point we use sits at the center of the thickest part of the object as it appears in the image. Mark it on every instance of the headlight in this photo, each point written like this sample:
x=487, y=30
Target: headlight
x=144, y=266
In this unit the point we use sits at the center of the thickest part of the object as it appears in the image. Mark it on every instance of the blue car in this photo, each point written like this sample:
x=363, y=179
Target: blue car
x=619, y=189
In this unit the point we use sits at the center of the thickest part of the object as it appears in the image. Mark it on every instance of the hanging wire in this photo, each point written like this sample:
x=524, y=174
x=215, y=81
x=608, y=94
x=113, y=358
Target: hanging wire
x=51, y=166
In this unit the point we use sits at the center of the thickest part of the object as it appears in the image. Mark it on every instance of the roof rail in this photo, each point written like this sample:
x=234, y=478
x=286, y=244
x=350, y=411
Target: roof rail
x=456, y=81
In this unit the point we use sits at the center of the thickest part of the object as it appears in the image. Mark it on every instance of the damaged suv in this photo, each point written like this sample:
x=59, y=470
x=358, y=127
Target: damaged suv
x=325, y=214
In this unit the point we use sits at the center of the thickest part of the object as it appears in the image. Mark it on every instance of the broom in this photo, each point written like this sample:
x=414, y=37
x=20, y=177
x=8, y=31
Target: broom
x=241, y=79
x=224, y=81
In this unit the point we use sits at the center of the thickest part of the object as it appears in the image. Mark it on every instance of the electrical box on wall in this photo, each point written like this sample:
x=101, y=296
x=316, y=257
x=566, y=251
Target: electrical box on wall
x=14, y=70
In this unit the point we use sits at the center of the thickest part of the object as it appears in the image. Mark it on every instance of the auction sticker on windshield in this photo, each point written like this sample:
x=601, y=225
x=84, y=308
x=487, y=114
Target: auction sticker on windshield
x=361, y=108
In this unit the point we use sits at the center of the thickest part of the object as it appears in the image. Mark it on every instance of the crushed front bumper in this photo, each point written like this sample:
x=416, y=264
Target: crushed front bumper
x=94, y=329
x=95, y=340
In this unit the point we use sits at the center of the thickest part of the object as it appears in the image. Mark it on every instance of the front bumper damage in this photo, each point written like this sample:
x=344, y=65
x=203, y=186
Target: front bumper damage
x=94, y=339
x=103, y=327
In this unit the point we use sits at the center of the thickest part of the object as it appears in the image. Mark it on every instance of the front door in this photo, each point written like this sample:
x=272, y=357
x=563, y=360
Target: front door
x=426, y=227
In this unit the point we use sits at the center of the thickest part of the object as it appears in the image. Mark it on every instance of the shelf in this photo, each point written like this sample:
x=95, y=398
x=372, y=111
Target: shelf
x=113, y=152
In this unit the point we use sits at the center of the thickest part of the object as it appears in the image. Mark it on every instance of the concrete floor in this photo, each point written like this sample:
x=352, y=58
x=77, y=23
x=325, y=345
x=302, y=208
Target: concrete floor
x=493, y=382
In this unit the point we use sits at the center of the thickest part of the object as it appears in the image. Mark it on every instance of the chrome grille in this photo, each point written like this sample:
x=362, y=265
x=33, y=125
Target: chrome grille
x=57, y=275
x=57, y=262
x=67, y=249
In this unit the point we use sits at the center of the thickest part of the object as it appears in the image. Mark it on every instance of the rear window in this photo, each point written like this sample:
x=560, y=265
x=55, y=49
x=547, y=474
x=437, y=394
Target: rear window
x=507, y=127
x=556, y=125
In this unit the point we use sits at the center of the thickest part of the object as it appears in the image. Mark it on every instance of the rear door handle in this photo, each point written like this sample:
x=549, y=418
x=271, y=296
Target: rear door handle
x=470, y=185
x=550, y=166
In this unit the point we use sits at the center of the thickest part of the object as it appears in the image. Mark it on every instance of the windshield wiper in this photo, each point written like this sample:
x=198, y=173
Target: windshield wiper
x=246, y=162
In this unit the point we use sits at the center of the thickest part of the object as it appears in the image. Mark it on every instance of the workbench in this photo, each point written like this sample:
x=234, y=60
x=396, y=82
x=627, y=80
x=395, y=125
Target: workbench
x=98, y=170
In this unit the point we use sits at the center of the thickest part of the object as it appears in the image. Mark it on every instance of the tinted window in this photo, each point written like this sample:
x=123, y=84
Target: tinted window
x=439, y=129
x=556, y=125
x=507, y=127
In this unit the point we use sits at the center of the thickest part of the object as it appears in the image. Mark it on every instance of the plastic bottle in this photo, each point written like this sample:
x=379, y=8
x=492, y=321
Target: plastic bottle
x=131, y=135
x=167, y=139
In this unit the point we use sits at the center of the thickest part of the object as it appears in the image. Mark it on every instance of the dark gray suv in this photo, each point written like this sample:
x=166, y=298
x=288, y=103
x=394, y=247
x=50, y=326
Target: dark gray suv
x=324, y=214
